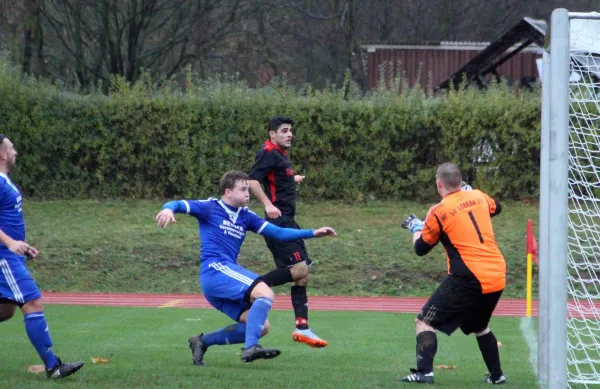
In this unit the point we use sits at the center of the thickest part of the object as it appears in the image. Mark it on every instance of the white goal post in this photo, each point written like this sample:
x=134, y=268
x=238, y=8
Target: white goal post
x=569, y=272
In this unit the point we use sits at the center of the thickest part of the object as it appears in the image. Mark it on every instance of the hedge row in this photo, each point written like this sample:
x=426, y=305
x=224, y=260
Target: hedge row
x=145, y=142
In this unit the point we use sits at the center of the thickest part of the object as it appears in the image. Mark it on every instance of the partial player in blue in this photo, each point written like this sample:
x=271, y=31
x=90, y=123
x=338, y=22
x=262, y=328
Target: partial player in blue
x=17, y=288
x=230, y=288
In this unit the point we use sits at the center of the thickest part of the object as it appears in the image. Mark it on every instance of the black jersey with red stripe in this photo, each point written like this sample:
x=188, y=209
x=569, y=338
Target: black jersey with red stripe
x=273, y=169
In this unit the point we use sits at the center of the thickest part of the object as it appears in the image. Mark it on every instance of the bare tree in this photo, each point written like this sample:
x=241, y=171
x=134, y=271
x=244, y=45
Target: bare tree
x=33, y=40
x=114, y=37
x=86, y=42
x=11, y=20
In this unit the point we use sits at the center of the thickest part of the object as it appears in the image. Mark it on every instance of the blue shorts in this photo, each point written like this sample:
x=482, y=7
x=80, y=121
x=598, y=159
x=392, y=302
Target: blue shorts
x=16, y=283
x=224, y=285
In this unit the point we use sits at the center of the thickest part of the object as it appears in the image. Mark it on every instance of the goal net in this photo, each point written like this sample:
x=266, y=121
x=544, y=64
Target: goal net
x=583, y=242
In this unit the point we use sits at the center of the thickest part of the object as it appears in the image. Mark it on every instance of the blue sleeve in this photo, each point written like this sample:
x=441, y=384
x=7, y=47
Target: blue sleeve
x=198, y=208
x=175, y=206
x=257, y=224
x=285, y=234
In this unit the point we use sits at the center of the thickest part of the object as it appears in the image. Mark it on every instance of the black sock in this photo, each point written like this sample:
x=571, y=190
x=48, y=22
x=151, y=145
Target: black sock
x=426, y=349
x=489, y=350
x=300, y=304
x=278, y=277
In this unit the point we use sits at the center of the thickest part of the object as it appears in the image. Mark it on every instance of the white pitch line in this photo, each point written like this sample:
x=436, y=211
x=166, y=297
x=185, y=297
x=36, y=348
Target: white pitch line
x=530, y=335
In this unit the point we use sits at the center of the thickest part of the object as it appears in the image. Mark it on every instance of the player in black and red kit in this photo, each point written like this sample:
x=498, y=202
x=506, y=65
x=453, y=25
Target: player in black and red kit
x=273, y=171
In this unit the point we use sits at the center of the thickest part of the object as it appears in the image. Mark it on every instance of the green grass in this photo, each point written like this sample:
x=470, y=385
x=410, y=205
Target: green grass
x=114, y=245
x=147, y=348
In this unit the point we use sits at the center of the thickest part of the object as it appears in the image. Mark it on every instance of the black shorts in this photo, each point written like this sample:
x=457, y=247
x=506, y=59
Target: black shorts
x=289, y=253
x=459, y=303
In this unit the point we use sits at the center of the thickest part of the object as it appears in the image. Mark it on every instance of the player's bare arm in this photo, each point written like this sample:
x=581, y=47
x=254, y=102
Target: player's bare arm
x=325, y=231
x=298, y=178
x=416, y=236
x=165, y=217
x=272, y=211
x=18, y=246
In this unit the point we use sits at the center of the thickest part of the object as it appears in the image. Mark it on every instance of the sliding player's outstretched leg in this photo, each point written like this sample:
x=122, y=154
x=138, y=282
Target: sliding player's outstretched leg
x=198, y=348
x=199, y=344
x=257, y=324
x=258, y=352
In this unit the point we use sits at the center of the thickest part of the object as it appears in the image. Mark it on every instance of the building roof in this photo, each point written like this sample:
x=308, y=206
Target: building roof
x=443, y=45
x=539, y=26
x=522, y=35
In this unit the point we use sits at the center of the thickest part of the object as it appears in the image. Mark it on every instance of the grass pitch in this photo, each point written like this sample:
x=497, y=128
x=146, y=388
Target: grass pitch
x=147, y=348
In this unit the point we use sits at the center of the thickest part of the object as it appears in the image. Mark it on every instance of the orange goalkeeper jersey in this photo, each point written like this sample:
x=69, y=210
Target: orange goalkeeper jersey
x=462, y=222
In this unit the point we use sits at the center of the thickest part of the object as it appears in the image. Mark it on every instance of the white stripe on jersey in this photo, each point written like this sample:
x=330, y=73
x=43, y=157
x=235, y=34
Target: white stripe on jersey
x=262, y=227
x=12, y=283
x=187, y=206
x=12, y=186
x=232, y=215
x=231, y=273
x=9, y=182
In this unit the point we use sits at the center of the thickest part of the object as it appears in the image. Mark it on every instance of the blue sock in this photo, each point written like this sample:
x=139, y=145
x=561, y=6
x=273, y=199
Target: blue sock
x=232, y=334
x=39, y=336
x=256, y=320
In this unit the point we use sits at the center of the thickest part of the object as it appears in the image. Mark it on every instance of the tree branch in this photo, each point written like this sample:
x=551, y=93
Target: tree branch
x=66, y=46
x=295, y=6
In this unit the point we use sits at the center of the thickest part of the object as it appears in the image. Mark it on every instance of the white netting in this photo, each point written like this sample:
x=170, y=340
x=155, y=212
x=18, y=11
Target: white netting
x=583, y=324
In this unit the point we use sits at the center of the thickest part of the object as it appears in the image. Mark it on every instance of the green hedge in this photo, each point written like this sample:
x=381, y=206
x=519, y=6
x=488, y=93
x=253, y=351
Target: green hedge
x=145, y=142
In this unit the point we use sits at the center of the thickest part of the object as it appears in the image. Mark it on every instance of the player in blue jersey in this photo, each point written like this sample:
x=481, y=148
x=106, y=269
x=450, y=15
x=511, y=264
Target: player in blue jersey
x=230, y=288
x=17, y=288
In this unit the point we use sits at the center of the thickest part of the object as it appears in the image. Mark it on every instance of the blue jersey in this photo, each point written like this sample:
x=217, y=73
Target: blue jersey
x=12, y=222
x=222, y=232
x=222, y=228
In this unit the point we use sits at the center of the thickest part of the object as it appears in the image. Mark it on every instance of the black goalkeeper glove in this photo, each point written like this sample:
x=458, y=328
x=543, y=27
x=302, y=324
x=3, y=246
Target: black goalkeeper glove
x=413, y=223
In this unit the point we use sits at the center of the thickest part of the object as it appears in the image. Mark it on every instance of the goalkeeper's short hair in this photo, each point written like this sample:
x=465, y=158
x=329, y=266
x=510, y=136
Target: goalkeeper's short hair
x=450, y=175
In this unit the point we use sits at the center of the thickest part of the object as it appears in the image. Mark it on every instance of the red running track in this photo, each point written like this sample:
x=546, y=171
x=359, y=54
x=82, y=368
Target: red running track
x=506, y=307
